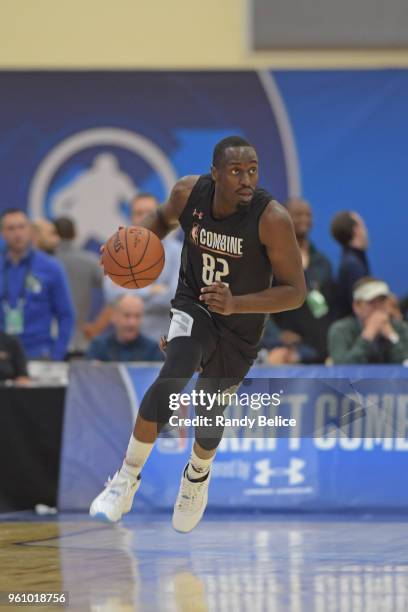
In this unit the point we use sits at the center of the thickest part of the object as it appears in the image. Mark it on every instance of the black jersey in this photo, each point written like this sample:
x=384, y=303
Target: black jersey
x=227, y=250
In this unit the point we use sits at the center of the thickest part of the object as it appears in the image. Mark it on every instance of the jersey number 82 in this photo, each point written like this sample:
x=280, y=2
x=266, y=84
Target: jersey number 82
x=214, y=269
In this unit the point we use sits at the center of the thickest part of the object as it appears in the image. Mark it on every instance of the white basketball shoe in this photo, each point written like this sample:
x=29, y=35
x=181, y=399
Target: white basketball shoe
x=117, y=497
x=191, y=503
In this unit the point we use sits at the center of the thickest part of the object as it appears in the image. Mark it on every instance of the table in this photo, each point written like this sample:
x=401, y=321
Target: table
x=31, y=421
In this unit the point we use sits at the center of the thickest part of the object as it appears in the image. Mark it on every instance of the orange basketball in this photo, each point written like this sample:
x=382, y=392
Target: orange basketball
x=133, y=257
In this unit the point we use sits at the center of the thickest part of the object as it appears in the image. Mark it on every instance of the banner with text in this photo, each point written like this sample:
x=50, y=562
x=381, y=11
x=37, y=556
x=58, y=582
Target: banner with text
x=304, y=438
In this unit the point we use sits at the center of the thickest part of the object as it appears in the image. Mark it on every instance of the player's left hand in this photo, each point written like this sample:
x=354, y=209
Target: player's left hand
x=218, y=298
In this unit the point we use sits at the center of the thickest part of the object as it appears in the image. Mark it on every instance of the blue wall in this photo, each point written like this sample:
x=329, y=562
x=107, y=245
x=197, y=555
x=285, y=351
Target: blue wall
x=350, y=131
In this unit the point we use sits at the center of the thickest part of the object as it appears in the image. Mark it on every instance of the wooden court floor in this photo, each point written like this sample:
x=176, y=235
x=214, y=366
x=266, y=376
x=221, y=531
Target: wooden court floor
x=228, y=564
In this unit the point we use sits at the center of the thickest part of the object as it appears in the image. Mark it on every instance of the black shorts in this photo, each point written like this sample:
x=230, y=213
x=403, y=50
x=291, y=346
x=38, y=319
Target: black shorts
x=221, y=359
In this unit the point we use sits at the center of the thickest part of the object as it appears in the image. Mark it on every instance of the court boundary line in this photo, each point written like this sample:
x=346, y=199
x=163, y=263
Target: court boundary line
x=66, y=535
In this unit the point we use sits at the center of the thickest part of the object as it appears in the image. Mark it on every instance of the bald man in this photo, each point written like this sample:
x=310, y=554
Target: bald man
x=124, y=342
x=45, y=236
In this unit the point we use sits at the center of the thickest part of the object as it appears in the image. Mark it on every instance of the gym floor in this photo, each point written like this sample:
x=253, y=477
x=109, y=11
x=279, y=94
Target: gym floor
x=253, y=563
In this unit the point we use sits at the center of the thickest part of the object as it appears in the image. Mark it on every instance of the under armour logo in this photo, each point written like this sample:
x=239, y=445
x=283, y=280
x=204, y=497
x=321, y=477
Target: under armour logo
x=266, y=472
x=198, y=213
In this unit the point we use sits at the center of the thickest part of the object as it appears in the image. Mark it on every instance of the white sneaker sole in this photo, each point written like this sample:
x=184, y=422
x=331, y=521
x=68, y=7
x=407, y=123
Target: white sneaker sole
x=101, y=516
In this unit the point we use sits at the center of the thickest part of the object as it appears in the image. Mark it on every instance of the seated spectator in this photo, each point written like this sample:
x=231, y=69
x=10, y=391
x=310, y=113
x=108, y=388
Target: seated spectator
x=84, y=275
x=349, y=230
x=34, y=292
x=372, y=334
x=125, y=342
x=307, y=326
x=13, y=365
x=45, y=236
x=283, y=347
x=156, y=296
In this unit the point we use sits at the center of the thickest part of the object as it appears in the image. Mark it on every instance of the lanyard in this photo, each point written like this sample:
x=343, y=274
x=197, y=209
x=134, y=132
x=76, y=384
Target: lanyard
x=23, y=289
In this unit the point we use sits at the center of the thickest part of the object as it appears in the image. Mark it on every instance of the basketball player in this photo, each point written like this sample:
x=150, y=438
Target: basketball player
x=236, y=237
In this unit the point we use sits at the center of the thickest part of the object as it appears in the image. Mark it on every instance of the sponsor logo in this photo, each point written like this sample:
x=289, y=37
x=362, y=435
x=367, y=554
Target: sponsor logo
x=195, y=232
x=294, y=472
x=117, y=243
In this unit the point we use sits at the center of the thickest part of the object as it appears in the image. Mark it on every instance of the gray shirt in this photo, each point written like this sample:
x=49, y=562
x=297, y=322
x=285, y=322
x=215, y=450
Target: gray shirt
x=84, y=273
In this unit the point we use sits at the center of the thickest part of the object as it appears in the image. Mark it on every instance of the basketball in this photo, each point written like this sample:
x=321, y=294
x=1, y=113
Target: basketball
x=133, y=257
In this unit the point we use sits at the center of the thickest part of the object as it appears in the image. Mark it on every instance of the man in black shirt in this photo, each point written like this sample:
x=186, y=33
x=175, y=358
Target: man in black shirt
x=349, y=230
x=13, y=364
x=236, y=237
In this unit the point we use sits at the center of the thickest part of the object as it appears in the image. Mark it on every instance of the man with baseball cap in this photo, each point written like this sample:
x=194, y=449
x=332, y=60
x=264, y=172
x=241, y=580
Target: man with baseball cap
x=371, y=335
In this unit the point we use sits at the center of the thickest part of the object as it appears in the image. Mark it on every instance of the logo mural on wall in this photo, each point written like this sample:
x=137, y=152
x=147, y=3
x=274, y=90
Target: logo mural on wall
x=88, y=142
x=96, y=195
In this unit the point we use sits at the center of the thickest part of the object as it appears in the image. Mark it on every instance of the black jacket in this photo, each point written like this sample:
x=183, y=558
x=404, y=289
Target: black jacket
x=12, y=358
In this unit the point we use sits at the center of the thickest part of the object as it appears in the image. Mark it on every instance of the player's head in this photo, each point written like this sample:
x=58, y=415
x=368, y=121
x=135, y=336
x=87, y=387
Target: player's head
x=127, y=317
x=349, y=229
x=142, y=205
x=235, y=170
x=65, y=228
x=45, y=236
x=15, y=230
x=370, y=294
x=301, y=214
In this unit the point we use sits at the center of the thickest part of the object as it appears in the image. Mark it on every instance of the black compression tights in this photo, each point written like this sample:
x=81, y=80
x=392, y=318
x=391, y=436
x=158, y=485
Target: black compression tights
x=183, y=358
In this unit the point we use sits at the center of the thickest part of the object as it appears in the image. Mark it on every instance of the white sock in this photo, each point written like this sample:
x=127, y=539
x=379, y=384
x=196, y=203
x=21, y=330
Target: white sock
x=197, y=467
x=136, y=456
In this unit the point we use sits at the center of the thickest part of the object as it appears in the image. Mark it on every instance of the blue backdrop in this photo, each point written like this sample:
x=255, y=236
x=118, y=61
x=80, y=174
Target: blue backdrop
x=338, y=138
